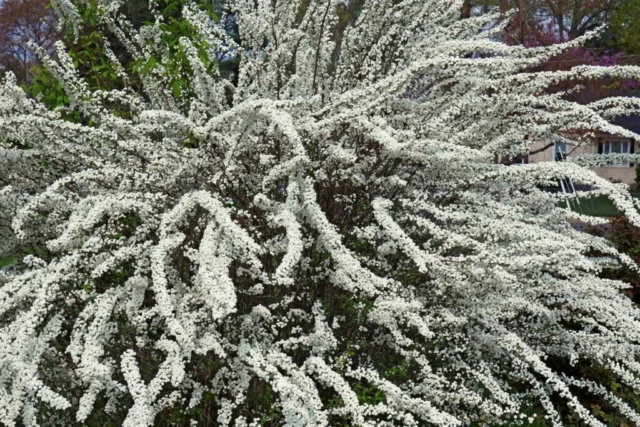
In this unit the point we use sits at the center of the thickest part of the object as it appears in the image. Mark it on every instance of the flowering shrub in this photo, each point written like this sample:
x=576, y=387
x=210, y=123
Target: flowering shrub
x=324, y=238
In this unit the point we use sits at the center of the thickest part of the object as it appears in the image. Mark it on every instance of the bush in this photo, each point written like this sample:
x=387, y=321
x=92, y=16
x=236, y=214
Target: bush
x=321, y=238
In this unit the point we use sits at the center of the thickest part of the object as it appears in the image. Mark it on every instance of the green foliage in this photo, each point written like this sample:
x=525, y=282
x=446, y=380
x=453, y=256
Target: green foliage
x=623, y=30
x=368, y=393
x=88, y=54
x=176, y=67
x=99, y=73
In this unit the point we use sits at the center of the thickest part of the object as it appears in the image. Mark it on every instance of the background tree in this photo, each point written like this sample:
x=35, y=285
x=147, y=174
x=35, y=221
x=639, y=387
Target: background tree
x=545, y=22
x=548, y=22
x=20, y=22
x=623, y=32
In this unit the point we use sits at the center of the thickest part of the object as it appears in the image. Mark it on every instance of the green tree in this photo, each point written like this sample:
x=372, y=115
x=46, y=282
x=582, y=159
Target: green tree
x=623, y=32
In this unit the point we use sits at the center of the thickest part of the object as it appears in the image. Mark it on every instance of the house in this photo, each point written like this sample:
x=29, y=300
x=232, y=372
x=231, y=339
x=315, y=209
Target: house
x=545, y=151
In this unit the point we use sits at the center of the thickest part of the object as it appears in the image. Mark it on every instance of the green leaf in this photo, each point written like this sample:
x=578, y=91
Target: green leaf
x=176, y=88
x=150, y=64
x=36, y=89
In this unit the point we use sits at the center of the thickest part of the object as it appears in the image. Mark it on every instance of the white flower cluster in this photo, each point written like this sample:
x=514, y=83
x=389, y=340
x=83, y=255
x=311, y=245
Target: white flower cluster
x=324, y=240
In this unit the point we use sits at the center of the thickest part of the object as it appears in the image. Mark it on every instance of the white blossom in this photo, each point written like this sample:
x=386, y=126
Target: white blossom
x=323, y=239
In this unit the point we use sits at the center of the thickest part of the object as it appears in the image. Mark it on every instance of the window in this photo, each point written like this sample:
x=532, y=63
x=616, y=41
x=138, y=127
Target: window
x=616, y=146
x=559, y=151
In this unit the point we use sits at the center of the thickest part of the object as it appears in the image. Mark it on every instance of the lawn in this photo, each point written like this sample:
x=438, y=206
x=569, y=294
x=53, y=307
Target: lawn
x=597, y=206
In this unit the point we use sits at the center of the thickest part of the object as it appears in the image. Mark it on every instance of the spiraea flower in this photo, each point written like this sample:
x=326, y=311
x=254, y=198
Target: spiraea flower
x=323, y=238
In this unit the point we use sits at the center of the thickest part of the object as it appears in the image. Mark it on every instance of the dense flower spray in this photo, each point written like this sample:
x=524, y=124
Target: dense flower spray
x=324, y=239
